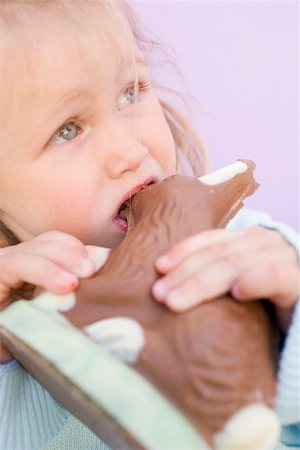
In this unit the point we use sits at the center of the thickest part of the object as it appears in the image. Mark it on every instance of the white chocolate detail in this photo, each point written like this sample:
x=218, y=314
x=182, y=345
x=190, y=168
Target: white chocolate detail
x=225, y=174
x=121, y=336
x=255, y=427
x=98, y=255
x=53, y=302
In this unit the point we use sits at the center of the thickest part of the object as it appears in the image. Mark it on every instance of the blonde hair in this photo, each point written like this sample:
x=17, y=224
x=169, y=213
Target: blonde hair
x=189, y=147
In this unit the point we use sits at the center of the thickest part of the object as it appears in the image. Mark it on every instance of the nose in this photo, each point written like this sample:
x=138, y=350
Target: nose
x=124, y=154
x=130, y=160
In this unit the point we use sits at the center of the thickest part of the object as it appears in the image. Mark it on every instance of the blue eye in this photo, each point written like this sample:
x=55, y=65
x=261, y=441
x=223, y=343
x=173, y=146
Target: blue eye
x=67, y=132
x=130, y=94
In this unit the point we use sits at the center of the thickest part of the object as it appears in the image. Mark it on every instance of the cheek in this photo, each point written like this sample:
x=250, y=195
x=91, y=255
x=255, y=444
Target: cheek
x=72, y=199
x=166, y=153
x=56, y=202
x=161, y=141
x=60, y=209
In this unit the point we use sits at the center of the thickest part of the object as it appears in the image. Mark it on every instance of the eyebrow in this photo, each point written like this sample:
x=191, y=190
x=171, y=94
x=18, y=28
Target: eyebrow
x=123, y=66
x=66, y=103
x=77, y=95
x=138, y=60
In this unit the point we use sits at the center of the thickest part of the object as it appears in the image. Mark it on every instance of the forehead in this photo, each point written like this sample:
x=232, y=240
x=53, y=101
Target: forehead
x=39, y=40
x=48, y=53
x=44, y=49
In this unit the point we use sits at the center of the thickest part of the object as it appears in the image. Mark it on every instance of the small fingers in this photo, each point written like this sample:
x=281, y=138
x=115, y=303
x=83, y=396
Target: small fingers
x=66, y=251
x=252, y=263
x=58, y=236
x=179, y=274
x=274, y=280
x=270, y=279
x=225, y=240
x=215, y=279
x=72, y=258
x=193, y=244
x=36, y=270
x=227, y=259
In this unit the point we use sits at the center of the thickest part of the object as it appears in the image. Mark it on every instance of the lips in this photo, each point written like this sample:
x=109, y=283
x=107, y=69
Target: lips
x=120, y=214
x=134, y=191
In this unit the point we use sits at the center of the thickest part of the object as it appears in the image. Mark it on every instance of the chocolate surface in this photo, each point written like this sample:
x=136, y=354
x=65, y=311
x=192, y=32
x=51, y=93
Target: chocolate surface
x=209, y=361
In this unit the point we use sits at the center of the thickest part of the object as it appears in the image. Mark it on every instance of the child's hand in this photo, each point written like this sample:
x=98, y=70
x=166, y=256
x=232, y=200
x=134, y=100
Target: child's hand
x=53, y=261
x=253, y=263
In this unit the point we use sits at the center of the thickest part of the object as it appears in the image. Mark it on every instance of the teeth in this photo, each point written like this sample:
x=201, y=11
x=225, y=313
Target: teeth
x=123, y=207
x=122, y=210
x=122, y=214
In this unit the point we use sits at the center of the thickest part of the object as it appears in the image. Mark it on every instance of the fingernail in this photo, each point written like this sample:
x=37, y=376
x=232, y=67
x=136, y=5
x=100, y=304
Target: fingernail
x=176, y=302
x=66, y=279
x=159, y=290
x=163, y=261
x=85, y=268
x=235, y=292
x=174, y=297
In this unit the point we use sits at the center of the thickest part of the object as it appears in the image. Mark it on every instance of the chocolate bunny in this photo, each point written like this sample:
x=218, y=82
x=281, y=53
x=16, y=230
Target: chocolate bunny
x=214, y=361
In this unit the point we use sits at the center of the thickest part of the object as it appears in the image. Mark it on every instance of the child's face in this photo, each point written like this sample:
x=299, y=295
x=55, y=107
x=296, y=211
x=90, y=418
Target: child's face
x=72, y=147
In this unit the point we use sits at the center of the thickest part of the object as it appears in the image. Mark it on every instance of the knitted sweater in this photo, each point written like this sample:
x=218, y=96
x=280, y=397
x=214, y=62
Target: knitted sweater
x=30, y=419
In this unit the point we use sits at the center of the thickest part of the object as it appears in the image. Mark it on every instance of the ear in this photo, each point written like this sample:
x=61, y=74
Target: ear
x=225, y=174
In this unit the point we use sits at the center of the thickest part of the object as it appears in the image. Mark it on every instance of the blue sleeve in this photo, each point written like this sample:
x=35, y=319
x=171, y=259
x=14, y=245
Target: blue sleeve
x=29, y=417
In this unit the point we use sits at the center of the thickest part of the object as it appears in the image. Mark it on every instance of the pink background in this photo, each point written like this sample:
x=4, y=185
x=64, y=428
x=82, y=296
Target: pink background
x=240, y=61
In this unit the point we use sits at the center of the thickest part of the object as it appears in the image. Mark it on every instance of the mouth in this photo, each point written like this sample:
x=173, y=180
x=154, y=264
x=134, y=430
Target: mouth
x=121, y=217
x=123, y=211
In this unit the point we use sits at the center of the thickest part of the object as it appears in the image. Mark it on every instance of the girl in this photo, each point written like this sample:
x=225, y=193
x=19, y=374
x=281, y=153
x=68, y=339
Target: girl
x=81, y=127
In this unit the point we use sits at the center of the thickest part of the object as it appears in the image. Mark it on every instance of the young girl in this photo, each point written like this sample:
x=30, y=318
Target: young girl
x=81, y=127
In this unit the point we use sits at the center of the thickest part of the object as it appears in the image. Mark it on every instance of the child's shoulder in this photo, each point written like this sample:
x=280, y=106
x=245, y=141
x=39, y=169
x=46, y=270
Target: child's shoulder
x=247, y=217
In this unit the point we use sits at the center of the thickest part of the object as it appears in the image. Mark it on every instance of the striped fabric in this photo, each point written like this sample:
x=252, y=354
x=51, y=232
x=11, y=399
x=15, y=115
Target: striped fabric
x=31, y=419
x=29, y=416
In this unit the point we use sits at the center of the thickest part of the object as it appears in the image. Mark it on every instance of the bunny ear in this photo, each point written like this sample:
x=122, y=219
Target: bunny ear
x=225, y=174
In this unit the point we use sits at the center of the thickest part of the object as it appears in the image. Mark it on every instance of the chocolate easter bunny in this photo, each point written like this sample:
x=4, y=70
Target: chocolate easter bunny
x=215, y=363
